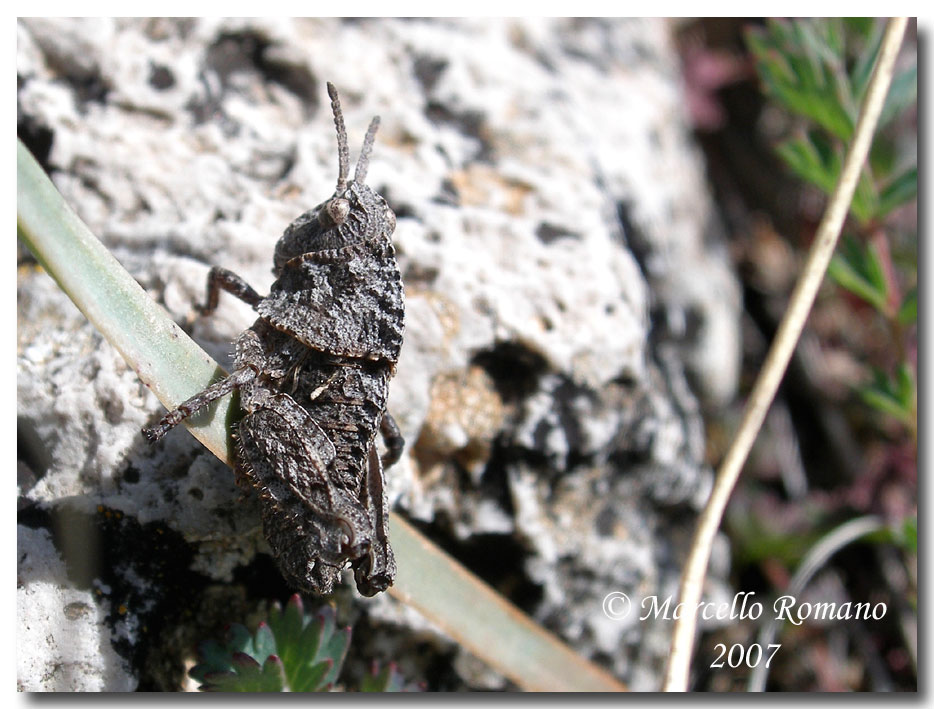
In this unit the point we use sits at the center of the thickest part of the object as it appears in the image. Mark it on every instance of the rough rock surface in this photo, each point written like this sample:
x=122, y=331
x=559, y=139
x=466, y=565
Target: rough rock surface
x=568, y=305
x=56, y=619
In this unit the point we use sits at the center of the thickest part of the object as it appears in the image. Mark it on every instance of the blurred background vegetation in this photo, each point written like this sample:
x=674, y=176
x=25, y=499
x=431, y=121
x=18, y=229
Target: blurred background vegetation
x=774, y=104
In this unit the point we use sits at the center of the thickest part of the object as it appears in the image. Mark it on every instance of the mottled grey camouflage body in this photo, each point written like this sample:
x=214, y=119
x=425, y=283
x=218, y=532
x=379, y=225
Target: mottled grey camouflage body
x=313, y=373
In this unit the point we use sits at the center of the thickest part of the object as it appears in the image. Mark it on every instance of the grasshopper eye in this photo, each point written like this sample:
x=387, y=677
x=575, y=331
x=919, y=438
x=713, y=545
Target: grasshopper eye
x=390, y=218
x=338, y=209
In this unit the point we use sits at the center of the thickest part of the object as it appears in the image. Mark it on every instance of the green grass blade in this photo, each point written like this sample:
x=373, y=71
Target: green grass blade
x=164, y=357
x=483, y=622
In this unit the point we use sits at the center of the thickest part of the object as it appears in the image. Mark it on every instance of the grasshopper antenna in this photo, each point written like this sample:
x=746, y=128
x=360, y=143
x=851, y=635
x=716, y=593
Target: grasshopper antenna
x=343, y=153
x=363, y=163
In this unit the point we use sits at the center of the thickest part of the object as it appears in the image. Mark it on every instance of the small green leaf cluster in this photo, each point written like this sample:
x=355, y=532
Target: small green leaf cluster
x=818, y=70
x=292, y=651
x=903, y=535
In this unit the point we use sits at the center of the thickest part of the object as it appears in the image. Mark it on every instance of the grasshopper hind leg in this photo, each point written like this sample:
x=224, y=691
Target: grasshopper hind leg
x=199, y=401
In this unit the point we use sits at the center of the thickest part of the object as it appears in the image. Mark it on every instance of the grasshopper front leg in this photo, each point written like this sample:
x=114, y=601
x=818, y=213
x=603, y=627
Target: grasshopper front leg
x=221, y=279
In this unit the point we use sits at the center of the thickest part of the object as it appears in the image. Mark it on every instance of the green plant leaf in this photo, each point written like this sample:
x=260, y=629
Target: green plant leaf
x=904, y=536
x=240, y=640
x=801, y=64
x=315, y=677
x=819, y=160
x=883, y=158
x=333, y=642
x=865, y=204
x=247, y=675
x=813, y=159
x=287, y=626
x=871, y=32
x=859, y=270
x=387, y=679
x=904, y=385
x=909, y=535
x=312, y=648
x=902, y=95
x=908, y=312
x=292, y=651
x=900, y=190
x=243, y=664
x=264, y=643
x=759, y=538
x=861, y=26
x=381, y=681
x=214, y=658
x=892, y=397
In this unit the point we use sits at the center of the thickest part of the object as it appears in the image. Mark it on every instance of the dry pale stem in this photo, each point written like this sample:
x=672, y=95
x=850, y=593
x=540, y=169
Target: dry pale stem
x=789, y=331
